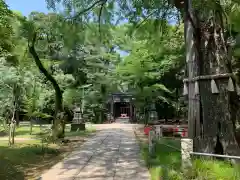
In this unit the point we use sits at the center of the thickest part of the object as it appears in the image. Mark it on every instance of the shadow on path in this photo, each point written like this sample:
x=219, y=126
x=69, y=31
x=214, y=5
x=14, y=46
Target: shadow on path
x=112, y=154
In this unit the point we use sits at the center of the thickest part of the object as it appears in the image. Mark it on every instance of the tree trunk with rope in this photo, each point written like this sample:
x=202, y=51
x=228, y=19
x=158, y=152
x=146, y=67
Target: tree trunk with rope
x=215, y=132
x=218, y=110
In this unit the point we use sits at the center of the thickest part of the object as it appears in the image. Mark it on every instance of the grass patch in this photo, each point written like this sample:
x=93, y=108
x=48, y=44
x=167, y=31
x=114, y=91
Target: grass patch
x=165, y=163
x=214, y=170
x=24, y=132
x=27, y=159
x=88, y=131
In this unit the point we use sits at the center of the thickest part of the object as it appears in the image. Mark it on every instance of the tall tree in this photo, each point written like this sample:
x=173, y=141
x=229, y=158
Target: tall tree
x=211, y=35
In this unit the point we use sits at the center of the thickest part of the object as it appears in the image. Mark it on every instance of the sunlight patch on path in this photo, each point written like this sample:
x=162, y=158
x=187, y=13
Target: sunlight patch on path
x=112, y=154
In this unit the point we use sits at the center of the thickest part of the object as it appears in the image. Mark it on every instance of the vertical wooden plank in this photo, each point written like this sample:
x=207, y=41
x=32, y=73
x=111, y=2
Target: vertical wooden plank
x=193, y=105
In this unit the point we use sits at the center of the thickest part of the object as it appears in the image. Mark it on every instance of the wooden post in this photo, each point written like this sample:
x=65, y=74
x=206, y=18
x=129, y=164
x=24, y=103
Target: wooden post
x=150, y=141
x=112, y=107
x=159, y=131
x=193, y=105
x=186, y=150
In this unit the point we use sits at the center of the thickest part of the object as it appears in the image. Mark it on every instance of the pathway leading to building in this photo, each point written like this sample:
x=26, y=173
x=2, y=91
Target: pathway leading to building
x=113, y=154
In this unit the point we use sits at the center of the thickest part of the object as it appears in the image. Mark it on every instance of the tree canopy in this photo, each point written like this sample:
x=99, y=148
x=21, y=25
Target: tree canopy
x=111, y=46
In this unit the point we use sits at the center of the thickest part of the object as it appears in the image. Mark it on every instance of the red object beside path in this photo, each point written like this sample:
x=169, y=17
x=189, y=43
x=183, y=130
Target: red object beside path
x=184, y=132
x=147, y=129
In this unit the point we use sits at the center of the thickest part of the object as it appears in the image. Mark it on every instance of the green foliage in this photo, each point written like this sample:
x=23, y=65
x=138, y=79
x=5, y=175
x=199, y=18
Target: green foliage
x=88, y=55
x=80, y=48
x=6, y=31
x=151, y=70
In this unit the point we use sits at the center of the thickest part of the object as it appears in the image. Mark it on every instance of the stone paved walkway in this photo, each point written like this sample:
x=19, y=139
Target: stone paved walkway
x=112, y=154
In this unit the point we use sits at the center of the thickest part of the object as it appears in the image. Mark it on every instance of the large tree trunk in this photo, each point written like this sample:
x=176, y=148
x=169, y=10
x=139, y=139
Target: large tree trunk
x=215, y=130
x=58, y=92
x=218, y=110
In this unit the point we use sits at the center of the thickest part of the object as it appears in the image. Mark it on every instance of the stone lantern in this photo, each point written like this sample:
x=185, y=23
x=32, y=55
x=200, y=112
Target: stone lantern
x=77, y=123
x=152, y=113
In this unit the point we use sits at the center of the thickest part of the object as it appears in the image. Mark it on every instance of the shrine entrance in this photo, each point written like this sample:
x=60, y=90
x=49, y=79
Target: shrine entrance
x=121, y=106
x=122, y=109
x=125, y=110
